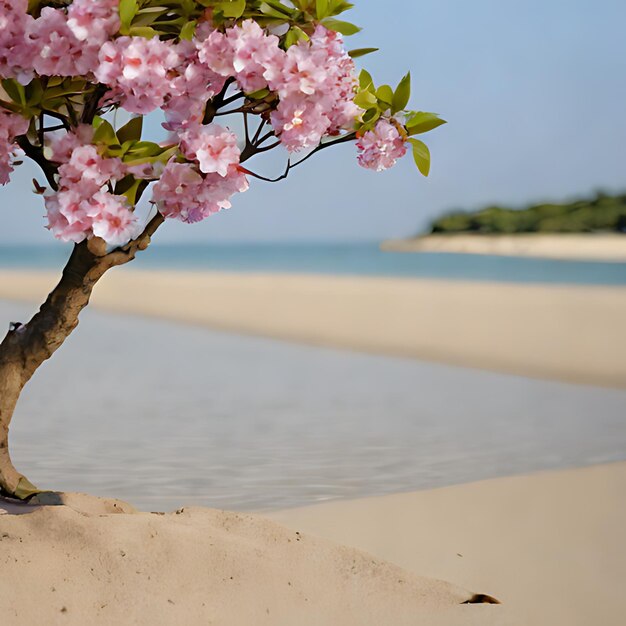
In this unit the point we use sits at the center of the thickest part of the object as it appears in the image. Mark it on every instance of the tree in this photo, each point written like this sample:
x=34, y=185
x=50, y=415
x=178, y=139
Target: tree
x=68, y=67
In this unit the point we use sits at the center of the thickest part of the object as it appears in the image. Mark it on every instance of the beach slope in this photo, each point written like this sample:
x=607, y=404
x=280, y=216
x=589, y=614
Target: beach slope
x=550, y=546
x=97, y=562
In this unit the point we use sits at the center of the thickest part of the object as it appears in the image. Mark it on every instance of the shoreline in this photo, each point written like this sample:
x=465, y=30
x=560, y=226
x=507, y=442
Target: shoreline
x=570, y=333
x=575, y=247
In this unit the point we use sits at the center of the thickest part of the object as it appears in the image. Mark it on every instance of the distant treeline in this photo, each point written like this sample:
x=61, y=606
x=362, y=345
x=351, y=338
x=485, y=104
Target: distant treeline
x=603, y=213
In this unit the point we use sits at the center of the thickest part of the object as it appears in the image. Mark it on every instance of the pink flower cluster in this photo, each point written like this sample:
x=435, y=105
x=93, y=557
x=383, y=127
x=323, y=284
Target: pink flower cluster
x=213, y=147
x=379, y=149
x=315, y=80
x=316, y=85
x=138, y=71
x=11, y=126
x=246, y=52
x=193, y=85
x=184, y=194
x=67, y=43
x=191, y=192
x=83, y=207
x=15, y=52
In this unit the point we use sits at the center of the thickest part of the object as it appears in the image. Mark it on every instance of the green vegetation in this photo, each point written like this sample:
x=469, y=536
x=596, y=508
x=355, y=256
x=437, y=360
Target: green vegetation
x=602, y=213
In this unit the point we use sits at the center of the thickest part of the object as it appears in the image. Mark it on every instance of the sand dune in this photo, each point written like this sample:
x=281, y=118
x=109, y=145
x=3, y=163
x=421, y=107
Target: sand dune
x=570, y=333
x=84, y=564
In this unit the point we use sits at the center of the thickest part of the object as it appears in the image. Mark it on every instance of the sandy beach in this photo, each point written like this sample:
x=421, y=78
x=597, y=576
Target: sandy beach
x=583, y=247
x=570, y=333
x=549, y=547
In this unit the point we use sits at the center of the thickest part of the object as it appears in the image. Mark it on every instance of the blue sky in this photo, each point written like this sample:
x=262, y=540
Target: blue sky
x=535, y=96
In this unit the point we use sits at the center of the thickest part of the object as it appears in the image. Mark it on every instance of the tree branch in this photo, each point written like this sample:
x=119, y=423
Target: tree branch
x=244, y=157
x=35, y=153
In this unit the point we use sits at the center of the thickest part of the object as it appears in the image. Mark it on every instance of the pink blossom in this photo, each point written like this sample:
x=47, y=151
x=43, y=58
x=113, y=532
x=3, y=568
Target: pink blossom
x=61, y=146
x=183, y=193
x=60, y=226
x=192, y=87
x=137, y=69
x=217, y=53
x=213, y=147
x=93, y=21
x=381, y=148
x=89, y=169
x=254, y=52
x=300, y=123
x=15, y=51
x=245, y=52
x=316, y=85
x=177, y=193
x=112, y=219
x=72, y=217
x=11, y=126
x=57, y=50
x=83, y=207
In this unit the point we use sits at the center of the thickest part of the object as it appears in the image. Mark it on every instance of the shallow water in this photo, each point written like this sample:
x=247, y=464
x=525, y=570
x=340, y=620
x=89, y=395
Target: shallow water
x=165, y=416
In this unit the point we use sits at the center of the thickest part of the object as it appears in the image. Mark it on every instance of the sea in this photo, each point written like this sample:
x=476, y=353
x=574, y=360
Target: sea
x=361, y=259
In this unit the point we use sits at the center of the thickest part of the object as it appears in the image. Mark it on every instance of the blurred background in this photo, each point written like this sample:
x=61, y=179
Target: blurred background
x=381, y=371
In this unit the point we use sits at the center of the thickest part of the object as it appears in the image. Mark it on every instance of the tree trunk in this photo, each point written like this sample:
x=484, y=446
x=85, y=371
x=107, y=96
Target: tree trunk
x=27, y=346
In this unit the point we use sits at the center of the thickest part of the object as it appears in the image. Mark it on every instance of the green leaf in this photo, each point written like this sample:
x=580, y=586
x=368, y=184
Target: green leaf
x=131, y=131
x=15, y=91
x=258, y=95
x=366, y=100
x=361, y=52
x=128, y=9
x=345, y=28
x=370, y=118
x=365, y=80
x=294, y=35
x=143, y=31
x=34, y=92
x=336, y=7
x=402, y=94
x=321, y=9
x=232, y=8
x=385, y=94
x=277, y=9
x=131, y=192
x=421, y=155
x=188, y=30
x=145, y=17
x=104, y=132
x=422, y=122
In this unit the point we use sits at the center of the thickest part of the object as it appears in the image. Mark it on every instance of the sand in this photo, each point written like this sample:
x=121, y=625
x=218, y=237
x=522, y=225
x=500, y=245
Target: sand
x=590, y=247
x=550, y=546
x=568, y=333
x=98, y=562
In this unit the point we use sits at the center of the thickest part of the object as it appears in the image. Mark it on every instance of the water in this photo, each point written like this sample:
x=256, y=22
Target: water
x=165, y=416
x=355, y=259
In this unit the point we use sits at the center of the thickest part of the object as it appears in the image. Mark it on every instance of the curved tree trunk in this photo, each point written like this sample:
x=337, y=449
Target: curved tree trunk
x=27, y=346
